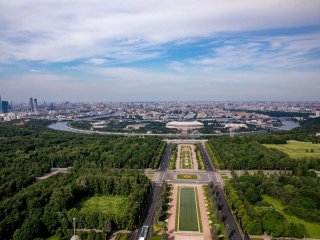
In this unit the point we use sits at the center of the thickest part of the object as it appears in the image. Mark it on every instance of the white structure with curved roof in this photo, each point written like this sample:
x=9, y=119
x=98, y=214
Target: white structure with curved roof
x=185, y=125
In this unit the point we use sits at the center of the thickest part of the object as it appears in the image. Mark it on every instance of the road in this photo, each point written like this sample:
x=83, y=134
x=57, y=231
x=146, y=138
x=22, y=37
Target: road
x=155, y=191
x=62, y=126
x=165, y=158
x=227, y=214
x=206, y=159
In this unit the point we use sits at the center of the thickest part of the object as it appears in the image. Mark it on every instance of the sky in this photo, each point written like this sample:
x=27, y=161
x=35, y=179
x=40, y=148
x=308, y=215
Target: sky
x=151, y=50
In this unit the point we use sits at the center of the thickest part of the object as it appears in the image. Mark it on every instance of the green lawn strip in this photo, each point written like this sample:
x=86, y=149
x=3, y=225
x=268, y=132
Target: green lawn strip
x=198, y=209
x=297, y=149
x=188, y=216
x=199, y=158
x=173, y=158
x=312, y=228
x=149, y=175
x=122, y=236
x=187, y=176
x=214, y=159
x=156, y=237
x=177, y=210
x=54, y=238
x=104, y=203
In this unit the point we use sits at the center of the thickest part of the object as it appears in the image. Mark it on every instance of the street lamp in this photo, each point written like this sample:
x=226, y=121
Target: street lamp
x=74, y=225
x=74, y=237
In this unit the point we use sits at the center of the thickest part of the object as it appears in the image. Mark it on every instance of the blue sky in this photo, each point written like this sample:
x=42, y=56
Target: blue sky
x=160, y=50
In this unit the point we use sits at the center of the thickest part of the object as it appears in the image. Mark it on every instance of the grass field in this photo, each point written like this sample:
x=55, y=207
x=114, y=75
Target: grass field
x=298, y=149
x=105, y=204
x=187, y=176
x=312, y=228
x=188, y=210
x=186, y=158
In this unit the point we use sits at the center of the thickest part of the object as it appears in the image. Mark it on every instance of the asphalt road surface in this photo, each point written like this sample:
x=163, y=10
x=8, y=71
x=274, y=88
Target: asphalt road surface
x=165, y=158
x=227, y=215
x=206, y=159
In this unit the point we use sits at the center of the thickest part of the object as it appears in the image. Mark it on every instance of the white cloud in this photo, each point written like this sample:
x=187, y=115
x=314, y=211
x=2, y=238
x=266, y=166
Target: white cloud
x=96, y=61
x=264, y=53
x=65, y=30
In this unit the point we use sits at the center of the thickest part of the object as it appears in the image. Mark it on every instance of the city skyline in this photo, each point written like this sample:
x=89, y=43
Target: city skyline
x=160, y=51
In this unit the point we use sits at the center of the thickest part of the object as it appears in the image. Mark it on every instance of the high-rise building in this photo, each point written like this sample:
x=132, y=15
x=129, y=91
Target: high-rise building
x=31, y=105
x=0, y=105
x=5, y=106
x=36, y=105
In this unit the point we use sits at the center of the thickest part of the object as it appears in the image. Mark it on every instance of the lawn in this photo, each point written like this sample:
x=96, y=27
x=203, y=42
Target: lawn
x=298, y=149
x=122, y=236
x=149, y=175
x=105, y=204
x=188, y=210
x=156, y=237
x=54, y=238
x=312, y=228
x=187, y=176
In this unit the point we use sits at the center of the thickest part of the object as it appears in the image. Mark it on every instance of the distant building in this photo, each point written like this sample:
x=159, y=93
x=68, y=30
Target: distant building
x=185, y=125
x=235, y=125
x=31, y=105
x=35, y=105
x=318, y=113
x=0, y=105
x=5, y=107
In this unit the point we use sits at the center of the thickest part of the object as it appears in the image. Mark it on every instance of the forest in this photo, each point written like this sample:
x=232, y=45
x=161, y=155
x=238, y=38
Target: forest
x=101, y=165
x=279, y=205
x=247, y=152
x=40, y=148
x=46, y=208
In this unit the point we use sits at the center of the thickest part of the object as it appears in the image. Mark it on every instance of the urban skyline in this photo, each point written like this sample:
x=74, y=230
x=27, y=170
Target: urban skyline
x=151, y=51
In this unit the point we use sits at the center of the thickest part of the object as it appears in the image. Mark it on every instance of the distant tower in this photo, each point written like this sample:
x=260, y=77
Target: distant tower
x=0, y=105
x=36, y=105
x=31, y=105
x=11, y=106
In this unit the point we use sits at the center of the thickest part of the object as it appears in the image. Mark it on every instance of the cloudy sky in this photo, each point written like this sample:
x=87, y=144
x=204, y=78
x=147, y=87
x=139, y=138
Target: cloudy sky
x=145, y=50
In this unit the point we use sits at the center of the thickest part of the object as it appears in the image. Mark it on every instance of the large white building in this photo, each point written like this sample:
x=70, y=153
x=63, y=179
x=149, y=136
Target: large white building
x=185, y=125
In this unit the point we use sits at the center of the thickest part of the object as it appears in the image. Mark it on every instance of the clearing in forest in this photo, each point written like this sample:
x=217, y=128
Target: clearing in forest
x=312, y=228
x=298, y=149
x=105, y=203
